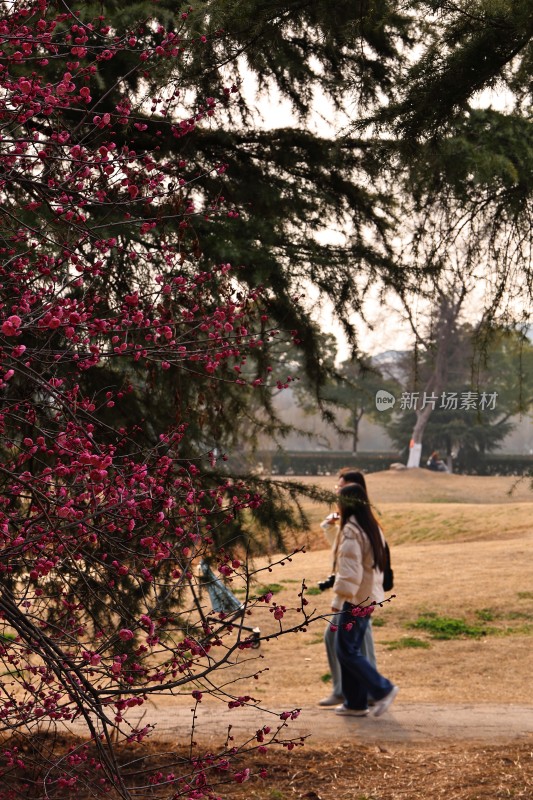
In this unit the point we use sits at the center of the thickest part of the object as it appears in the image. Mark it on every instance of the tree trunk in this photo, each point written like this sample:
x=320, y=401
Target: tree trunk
x=447, y=314
x=355, y=436
x=415, y=446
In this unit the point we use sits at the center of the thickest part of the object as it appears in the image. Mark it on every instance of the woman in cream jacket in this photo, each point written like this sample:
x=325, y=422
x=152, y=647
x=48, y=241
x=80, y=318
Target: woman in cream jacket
x=359, y=559
x=330, y=527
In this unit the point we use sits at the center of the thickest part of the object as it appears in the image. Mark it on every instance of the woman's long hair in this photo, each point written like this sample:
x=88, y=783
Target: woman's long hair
x=354, y=502
x=350, y=475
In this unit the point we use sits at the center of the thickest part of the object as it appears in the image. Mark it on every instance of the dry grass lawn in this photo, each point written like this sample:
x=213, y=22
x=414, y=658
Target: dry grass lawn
x=419, y=505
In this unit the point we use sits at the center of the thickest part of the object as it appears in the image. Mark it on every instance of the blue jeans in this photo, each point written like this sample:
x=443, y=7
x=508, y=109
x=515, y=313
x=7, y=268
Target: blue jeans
x=359, y=678
x=330, y=638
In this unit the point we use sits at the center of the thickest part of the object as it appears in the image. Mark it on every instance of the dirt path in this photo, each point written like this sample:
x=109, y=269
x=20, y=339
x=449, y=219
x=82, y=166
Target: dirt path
x=404, y=723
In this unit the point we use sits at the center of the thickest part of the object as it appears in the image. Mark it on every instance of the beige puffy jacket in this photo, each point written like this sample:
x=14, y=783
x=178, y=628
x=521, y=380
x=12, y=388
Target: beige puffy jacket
x=356, y=581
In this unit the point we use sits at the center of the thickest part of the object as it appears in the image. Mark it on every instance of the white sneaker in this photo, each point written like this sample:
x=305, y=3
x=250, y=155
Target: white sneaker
x=344, y=711
x=382, y=705
x=332, y=700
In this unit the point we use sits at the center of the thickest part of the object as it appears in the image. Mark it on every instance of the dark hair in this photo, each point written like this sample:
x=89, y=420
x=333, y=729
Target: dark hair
x=354, y=502
x=350, y=475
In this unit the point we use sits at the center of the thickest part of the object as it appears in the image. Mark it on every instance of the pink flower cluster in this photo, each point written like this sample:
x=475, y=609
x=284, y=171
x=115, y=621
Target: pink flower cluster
x=106, y=505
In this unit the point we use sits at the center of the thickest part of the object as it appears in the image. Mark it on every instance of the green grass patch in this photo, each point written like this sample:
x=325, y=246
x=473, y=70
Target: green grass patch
x=313, y=590
x=486, y=615
x=525, y=595
x=407, y=642
x=7, y=637
x=257, y=591
x=269, y=587
x=500, y=618
x=447, y=627
x=326, y=677
x=519, y=630
x=378, y=622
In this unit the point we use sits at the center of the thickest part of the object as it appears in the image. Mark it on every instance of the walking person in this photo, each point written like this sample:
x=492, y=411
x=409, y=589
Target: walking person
x=359, y=562
x=330, y=528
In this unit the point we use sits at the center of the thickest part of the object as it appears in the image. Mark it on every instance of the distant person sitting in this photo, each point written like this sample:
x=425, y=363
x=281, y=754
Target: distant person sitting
x=435, y=462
